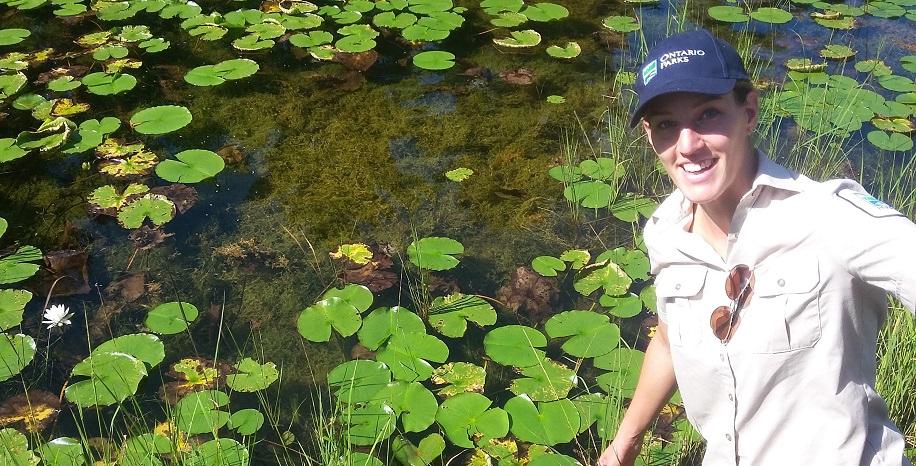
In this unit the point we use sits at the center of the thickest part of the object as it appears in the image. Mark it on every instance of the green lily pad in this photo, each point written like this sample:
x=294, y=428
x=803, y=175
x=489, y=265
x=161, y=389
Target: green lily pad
x=875, y=67
x=546, y=381
x=406, y=354
x=208, y=32
x=467, y=418
x=52, y=134
x=520, y=39
x=634, y=262
x=359, y=380
x=64, y=84
x=590, y=194
x=493, y=7
x=311, y=39
x=450, y=315
x=515, y=345
x=413, y=402
x=160, y=120
x=368, y=424
x=171, y=318
x=459, y=377
x=548, y=423
x=62, y=451
x=155, y=207
x=837, y=52
x=894, y=142
x=9, y=150
x=606, y=275
x=771, y=15
x=384, y=322
x=570, y=50
x=623, y=366
x=355, y=44
x=598, y=408
x=134, y=34
x=315, y=322
x=390, y=19
x=622, y=306
x=508, y=19
x=434, y=253
x=268, y=28
x=15, y=449
x=629, y=207
x=16, y=352
x=459, y=174
x=18, y=266
x=728, y=14
x=252, y=42
x=252, y=376
x=844, y=23
x=143, y=346
x=138, y=450
x=420, y=33
x=592, y=334
x=108, y=84
x=199, y=413
x=192, y=166
x=154, y=45
x=107, y=199
x=434, y=60
x=548, y=266
x=557, y=459
x=219, y=452
x=12, y=305
x=621, y=23
x=545, y=11
x=112, y=377
x=430, y=448
x=897, y=83
x=908, y=63
x=358, y=296
x=246, y=421
x=131, y=166
x=13, y=36
x=887, y=10
x=108, y=51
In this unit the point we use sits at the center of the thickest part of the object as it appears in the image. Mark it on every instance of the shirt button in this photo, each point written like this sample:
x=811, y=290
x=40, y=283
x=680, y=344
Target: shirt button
x=722, y=357
x=728, y=437
x=781, y=282
x=677, y=287
x=731, y=397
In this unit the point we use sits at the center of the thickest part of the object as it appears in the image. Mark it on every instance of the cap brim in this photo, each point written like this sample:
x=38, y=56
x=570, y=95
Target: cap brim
x=707, y=86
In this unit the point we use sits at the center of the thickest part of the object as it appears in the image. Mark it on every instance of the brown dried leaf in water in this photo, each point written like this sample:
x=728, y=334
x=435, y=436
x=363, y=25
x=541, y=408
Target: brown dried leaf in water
x=182, y=195
x=530, y=294
x=69, y=268
x=127, y=289
x=76, y=71
x=350, y=81
x=361, y=61
x=192, y=375
x=522, y=76
x=35, y=410
x=374, y=274
x=231, y=153
x=146, y=238
x=99, y=326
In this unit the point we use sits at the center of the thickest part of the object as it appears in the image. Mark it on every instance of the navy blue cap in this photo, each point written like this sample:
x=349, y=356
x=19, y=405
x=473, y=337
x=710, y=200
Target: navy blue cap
x=694, y=61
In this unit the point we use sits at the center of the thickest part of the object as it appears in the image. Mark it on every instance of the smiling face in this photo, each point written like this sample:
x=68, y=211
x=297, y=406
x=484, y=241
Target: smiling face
x=702, y=141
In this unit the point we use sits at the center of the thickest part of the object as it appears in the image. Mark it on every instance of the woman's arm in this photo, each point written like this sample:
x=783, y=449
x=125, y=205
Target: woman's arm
x=655, y=387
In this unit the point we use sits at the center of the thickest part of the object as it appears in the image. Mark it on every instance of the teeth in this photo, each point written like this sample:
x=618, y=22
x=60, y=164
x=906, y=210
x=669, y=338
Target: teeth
x=695, y=167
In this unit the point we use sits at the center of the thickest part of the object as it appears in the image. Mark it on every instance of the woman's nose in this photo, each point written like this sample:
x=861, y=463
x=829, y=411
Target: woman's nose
x=688, y=141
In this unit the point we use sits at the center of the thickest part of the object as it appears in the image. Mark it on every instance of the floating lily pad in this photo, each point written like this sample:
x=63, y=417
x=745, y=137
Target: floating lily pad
x=728, y=14
x=623, y=366
x=384, y=322
x=547, y=380
x=413, y=402
x=450, y=315
x=897, y=83
x=19, y=265
x=13, y=36
x=545, y=11
x=171, y=318
x=112, y=377
x=140, y=449
x=908, y=63
x=406, y=354
x=515, y=345
x=155, y=207
x=634, y=262
x=160, y=120
x=143, y=346
x=359, y=380
x=252, y=376
x=199, y=412
x=192, y=166
x=621, y=23
x=459, y=377
x=548, y=266
x=9, y=150
x=434, y=253
x=52, y=134
x=520, y=39
x=467, y=418
x=570, y=50
x=508, y=19
x=875, y=67
x=434, y=60
x=430, y=448
x=15, y=449
x=131, y=166
x=108, y=84
x=311, y=39
x=12, y=305
x=598, y=408
x=837, y=52
x=420, y=33
x=894, y=142
x=605, y=275
x=315, y=322
x=16, y=352
x=90, y=134
x=844, y=23
x=591, y=334
x=64, y=84
x=62, y=451
x=10, y=84
x=771, y=15
x=548, y=423
x=459, y=174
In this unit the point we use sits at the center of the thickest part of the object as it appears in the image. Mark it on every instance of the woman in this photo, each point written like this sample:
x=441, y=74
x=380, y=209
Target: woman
x=771, y=287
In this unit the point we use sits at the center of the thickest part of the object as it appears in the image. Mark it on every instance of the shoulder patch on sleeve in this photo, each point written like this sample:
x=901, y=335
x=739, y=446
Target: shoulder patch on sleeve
x=868, y=203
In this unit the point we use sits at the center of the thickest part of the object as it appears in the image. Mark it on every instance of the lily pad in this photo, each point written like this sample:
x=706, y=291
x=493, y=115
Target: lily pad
x=621, y=23
x=548, y=423
x=591, y=334
x=545, y=11
x=199, y=412
x=315, y=322
x=16, y=448
x=520, y=39
x=171, y=318
x=19, y=265
x=108, y=84
x=252, y=376
x=16, y=352
x=434, y=60
x=384, y=322
x=515, y=345
x=570, y=50
x=155, y=207
x=467, y=418
x=508, y=19
x=598, y=408
x=406, y=354
x=143, y=346
x=246, y=421
x=107, y=200
x=771, y=15
x=10, y=84
x=9, y=150
x=434, y=253
x=192, y=166
x=219, y=452
x=160, y=120
x=449, y=315
x=359, y=380
x=64, y=84
x=413, y=402
x=140, y=449
x=62, y=451
x=459, y=174
x=837, y=52
x=546, y=381
x=604, y=275
x=548, y=266
x=623, y=366
x=459, y=377
x=112, y=377
x=430, y=448
x=311, y=39
x=12, y=305
x=13, y=36
x=894, y=142
x=493, y=7
x=728, y=14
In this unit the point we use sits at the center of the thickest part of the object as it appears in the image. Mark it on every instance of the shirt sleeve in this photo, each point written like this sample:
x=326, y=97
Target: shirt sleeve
x=876, y=242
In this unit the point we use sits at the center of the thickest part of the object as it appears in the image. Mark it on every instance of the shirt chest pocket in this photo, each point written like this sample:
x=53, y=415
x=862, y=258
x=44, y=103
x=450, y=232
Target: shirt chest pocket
x=784, y=312
x=679, y=289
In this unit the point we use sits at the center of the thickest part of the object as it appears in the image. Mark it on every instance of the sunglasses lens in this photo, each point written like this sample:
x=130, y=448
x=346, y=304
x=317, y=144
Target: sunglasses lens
x=721, y=323
x=738, y=281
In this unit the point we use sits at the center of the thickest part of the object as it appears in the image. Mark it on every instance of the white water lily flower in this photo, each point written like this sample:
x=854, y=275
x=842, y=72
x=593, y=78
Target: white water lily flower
x=57, y=315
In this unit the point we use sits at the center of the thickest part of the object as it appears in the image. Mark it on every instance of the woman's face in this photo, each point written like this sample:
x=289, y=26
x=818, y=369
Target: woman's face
x=702, y=141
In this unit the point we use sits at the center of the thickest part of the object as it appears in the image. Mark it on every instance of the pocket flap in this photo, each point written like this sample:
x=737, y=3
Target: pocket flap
x=680, y=281
x=797, y=274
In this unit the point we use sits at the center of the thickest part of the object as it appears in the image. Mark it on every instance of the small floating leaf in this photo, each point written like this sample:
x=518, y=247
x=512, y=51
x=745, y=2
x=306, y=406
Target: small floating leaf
x=12, y=305
x=520, y=39
x=545, y=423
x=548, y=266
x=449, y=315
x=315, y=322
x=621, y=23
x=467, y=417
x=459, y=377
x=804, y=65
x=199, y=412
x=908, y=63
x=192, y=166
x=112, y=377
x=459, y=174
x=16, y=448
x=434, y=253
x=556, y=99
x=897, y=83
x=16, y=352
x=771, y=15
x=311, y=39
x=143, y=346
x=434, y=60
x=515, y=345
x=9, y=150
x=13, y=36
x=875, y=67
x=19, y=265
x=171, y=318
x=545, y=11
x=508, y=19
x=837, y=52
x=571, y=50
x=590, y=334
x=108, y=84
x=251, y=376
x=728, y=14
x=160, y=120
x=894, y=142
x=246, y=421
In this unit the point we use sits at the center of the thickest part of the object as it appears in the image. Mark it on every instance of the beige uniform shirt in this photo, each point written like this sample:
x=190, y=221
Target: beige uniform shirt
x=795, y=385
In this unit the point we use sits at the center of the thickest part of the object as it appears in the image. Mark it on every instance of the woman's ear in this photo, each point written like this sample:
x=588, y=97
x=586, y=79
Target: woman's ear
x=752, y=110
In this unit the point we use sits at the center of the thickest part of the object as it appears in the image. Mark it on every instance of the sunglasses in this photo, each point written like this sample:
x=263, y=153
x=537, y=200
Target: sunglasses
x=738, y=288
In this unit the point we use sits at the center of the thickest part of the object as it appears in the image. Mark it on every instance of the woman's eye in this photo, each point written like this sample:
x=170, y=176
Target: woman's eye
x=710, y=113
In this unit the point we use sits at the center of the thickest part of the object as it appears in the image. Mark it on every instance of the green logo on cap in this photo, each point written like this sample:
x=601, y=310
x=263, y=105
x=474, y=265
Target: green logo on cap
x=649, y=72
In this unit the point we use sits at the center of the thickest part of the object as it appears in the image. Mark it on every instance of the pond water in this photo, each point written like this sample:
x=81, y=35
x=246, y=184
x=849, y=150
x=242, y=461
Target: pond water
x=319, y=154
